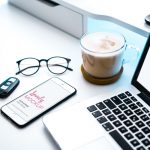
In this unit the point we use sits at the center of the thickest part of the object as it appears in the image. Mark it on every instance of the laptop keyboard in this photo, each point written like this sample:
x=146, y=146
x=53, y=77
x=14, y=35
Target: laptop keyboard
x=125, y=119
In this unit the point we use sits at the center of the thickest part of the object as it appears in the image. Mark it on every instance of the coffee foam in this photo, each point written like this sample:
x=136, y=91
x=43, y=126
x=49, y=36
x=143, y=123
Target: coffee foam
x=102, y=42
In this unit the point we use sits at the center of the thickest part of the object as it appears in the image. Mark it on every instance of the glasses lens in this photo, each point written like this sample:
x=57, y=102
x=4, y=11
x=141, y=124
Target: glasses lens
x=57, y=65
x=29, y=66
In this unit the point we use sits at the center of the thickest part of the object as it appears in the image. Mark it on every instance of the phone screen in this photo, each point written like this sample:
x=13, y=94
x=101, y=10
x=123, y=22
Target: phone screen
x=36, y=101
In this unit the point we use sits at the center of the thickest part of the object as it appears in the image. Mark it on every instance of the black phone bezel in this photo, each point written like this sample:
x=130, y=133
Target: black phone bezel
x=41, y=114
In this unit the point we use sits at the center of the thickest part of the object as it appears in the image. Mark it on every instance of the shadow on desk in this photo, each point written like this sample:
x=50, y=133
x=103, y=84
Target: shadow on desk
x=51, y=139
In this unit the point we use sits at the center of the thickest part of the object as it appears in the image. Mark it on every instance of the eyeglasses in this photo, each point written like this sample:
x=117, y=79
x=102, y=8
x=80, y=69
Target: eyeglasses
x=56, y=65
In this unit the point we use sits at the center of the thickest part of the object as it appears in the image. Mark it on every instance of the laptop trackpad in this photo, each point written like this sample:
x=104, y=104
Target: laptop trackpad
x=97, y=144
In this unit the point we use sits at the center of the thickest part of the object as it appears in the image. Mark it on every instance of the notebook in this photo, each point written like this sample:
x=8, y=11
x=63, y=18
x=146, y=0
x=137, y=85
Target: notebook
x=112, y=121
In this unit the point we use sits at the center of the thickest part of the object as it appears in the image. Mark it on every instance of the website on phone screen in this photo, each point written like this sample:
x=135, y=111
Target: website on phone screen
x=37, y=100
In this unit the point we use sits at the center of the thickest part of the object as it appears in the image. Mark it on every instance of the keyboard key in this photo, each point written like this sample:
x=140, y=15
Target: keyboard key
x=123, y=107
x=138, y=112
x=144, y=117
x=122, y=117
x=139, y=104
x=100, y=105
x=127, y=101
x=106, y=111
x=148, y=123
x=116, y=100
x=149, y=136
x=146, y=130
x=92, y=108
x=97, y=114
x=109, y=104
x=128, y=136
x=134, y=118
x=146, y=142
x=128, y=93
x=133, y=98
x=128, y=112
x=102, y=119
x=141, y=148
x=140, y=135
x=128, y=123
x=123, y=129
x=133, y=129
x=133, y=106
x=116, y=111
x=145, y=110
x=117, y=123
x=135, y=143
x=122, y=96
x=120, y=140
x=111, y=117
x=107, y=126
x=140, y=124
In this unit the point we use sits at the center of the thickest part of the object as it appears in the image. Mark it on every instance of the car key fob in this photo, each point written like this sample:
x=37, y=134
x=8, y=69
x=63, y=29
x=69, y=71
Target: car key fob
x=8, y=86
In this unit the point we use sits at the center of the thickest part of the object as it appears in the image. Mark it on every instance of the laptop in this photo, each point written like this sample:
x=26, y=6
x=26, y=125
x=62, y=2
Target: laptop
x=114, y=121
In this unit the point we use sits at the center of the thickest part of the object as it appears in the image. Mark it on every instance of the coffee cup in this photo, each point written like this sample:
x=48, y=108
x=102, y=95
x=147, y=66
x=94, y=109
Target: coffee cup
x=103, y=54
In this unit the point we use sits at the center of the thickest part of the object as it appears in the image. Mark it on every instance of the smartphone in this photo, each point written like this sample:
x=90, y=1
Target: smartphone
x=37, y=101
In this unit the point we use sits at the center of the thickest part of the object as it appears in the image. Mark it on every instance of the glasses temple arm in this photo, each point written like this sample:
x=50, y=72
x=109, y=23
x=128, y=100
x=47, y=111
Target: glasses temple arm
x=62, y=66
x=70, y=69
x=25, y=69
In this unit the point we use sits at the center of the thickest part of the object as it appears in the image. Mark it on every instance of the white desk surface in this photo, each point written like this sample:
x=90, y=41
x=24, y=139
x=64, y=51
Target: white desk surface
x=22, y=35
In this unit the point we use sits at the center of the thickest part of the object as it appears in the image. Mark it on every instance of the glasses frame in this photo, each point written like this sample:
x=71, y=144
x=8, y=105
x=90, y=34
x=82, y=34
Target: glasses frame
x=39, y=65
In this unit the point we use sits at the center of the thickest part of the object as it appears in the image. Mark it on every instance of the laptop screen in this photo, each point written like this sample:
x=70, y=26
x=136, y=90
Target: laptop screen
x=141, y=78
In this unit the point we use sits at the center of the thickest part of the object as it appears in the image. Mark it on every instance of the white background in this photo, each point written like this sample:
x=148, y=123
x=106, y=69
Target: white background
x=22, y=35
